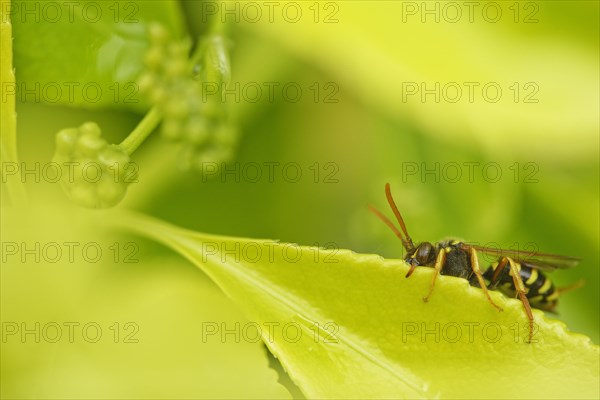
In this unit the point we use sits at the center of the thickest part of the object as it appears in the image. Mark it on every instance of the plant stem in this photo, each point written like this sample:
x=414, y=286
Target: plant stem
x=142, y=131
x=215, y=28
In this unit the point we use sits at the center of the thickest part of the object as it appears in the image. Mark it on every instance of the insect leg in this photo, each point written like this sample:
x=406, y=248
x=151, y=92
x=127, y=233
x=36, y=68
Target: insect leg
x=497, y=272
x=550, y=301
x=568, y=288
x=521, y=293
x=477, y=271
x=411, y=270
x=437, y=267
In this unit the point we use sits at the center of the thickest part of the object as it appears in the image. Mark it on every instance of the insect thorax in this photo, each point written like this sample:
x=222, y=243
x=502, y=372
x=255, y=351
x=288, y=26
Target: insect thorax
x=458, y=262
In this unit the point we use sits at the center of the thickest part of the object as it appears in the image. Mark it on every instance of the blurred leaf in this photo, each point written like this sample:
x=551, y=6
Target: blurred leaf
x=362, y=330
x=151, y=316
x=8, y=123
x=86, y=53
x=547, y=104
x=8, y=127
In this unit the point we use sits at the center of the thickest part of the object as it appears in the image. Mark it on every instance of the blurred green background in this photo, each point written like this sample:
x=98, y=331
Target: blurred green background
x=369, y=136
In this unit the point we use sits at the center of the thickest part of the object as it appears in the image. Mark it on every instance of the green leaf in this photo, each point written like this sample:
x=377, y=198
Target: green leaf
x=356, y=328
x=86, y=53
x=150, y=309
x=8, y=122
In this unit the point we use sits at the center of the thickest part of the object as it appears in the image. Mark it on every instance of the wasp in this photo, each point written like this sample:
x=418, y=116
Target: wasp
x=516, y=273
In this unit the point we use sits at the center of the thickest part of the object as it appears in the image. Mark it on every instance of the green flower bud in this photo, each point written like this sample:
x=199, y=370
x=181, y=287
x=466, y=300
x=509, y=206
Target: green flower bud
x=146, y=82
x=158, y=33
x=98, y=176
x=198, y=131
x=172, y=129
x=154, y=58
x=66, y=140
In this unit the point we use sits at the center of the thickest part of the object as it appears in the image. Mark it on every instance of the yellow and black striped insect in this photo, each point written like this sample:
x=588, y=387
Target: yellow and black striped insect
x=516, y=273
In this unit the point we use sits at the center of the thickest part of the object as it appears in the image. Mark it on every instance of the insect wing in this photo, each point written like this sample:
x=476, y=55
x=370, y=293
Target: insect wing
x=534, y=259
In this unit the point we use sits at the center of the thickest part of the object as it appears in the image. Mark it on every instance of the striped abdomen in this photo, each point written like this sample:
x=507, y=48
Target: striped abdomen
x=540, y=291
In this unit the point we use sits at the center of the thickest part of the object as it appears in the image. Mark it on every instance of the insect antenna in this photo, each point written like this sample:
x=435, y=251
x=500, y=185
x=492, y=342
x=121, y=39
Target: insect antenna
x=406, y=242
x=392, y=203
x=389, y=223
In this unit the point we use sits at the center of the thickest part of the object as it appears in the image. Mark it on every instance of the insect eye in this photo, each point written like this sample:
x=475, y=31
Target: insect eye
x=425, y=253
